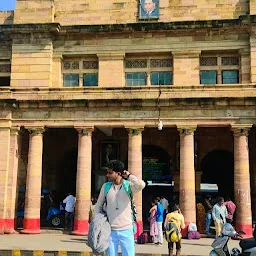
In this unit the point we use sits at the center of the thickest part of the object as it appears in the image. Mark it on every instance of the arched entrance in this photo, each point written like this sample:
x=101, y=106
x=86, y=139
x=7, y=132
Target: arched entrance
x=218, y=168
x=156, y=174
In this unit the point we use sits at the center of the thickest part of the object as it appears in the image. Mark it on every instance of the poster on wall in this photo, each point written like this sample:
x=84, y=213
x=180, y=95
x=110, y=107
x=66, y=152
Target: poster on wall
x=109, y=150
x=149, y=9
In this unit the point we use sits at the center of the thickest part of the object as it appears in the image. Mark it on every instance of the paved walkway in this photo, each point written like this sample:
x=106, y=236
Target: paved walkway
x=64, y=242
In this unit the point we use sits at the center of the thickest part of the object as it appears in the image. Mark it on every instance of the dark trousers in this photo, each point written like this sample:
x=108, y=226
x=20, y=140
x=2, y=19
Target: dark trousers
x=69, y=220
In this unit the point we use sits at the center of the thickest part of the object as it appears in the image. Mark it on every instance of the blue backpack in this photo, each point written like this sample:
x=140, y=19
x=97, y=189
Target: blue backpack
x=128, y=190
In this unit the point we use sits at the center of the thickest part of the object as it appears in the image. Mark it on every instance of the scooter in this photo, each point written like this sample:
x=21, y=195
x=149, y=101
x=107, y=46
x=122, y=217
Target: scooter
x=220, y=244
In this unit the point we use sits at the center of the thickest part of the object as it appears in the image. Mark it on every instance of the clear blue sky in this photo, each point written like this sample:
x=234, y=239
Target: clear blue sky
x=6, y=5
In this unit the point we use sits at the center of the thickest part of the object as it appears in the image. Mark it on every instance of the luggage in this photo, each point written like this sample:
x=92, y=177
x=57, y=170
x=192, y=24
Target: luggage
x=143, y=238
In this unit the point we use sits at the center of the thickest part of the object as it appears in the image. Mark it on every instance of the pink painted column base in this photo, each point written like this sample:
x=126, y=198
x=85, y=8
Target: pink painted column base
x=184, y=231
x=139, y=226
x=9, y=226
x=31, y=226
x=246, y=228
x=81, y=227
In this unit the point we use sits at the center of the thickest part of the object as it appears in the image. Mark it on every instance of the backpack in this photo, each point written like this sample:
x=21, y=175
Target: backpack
x=172, y=233
x=143, y=238
x=128, y=190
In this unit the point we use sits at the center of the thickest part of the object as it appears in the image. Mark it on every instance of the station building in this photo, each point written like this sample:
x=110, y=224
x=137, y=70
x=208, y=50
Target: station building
x=168, y=87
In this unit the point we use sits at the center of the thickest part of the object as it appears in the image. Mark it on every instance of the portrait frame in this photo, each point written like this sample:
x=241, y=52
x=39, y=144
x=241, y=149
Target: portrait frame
x=109, y=150
x=149, y=14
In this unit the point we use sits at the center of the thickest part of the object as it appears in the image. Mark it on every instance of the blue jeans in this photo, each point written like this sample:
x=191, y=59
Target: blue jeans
x=208, y=218
x=126, y=240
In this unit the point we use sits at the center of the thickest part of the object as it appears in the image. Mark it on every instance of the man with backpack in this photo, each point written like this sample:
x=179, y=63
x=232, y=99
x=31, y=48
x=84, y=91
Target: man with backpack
x=116, y=196
x=173, y=224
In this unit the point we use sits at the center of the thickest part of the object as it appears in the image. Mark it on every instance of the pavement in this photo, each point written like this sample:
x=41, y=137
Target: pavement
x=64, y=244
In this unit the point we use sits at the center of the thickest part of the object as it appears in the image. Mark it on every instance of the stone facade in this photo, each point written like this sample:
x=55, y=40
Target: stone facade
x=52, y=129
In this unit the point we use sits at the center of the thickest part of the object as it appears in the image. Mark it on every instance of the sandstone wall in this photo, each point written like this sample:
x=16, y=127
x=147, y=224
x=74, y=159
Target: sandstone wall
x=126, y=11
x=6, y=18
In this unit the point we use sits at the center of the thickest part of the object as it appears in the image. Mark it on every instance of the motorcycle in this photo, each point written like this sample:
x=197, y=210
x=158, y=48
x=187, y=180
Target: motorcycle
x=54, y=216
x=220, y=244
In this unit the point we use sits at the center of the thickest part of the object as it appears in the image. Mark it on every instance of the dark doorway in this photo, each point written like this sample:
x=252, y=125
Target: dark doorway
x=156, y=174
x=218, y=168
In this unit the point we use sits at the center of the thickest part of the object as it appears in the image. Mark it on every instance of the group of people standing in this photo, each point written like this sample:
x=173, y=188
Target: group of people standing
x=159, y=218
x=217, y=211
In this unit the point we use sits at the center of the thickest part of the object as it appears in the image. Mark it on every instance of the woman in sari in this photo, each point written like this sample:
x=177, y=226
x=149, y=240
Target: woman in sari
x=153, y=224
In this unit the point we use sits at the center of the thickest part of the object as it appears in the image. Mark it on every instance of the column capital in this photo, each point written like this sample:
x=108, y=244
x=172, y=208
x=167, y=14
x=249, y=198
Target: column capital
x=15, y=130
x=186, y=130
x=241, y=129
x=135, y=130
x=35, y=130
x=85, y=130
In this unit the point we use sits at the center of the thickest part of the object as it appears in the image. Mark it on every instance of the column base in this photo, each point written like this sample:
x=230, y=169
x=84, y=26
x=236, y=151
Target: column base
x=184, y=232
x=139, y=226
x=246, y=228
x=31, y=226
x=29, y=231
x=81, y=228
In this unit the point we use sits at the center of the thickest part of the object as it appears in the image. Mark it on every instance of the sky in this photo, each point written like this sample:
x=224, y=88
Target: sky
x=7, y=5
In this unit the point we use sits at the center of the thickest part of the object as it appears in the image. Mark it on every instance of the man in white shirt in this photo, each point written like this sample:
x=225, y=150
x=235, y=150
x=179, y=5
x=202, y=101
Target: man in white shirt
x=119, y=207
x=70, y=201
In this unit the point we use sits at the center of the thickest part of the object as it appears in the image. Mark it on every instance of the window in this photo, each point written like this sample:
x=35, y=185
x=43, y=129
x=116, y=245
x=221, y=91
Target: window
x=71, y=80
x=161, y=78
x=148, y=70
x=90, y=79
x=208, y=77
x=5, y=73
x=222, y=68
x=135, y=79
x=80, y=72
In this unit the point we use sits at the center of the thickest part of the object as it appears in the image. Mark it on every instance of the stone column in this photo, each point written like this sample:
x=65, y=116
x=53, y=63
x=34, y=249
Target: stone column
x=12, y=181
x=83, y=181
x=4, y=168
x=242, y=180
x=135, y=168
x=33, y=184
x=187, y=175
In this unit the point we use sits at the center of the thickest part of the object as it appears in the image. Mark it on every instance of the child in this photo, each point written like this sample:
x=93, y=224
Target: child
x=175, y=213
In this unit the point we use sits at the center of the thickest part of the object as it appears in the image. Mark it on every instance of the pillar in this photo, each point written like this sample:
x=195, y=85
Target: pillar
x=4, y=163
x=187, y=176
x=12, y=181
x=253, y=55
x=83, y=181
x=31, y=222
x=135, y=168
x=242, y=180
x=186, y=68
x=111, y=69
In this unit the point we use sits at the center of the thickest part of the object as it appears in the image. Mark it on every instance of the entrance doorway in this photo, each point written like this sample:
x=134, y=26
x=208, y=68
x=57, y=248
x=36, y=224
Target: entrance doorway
x=156, y=174
x=218, y=168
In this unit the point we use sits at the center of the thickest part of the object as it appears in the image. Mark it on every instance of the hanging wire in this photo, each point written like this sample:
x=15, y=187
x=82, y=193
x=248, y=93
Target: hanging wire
x=158, y=104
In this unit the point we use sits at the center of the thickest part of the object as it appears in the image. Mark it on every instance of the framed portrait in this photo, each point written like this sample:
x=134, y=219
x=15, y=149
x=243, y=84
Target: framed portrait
x=149, y=9
x=109, y=150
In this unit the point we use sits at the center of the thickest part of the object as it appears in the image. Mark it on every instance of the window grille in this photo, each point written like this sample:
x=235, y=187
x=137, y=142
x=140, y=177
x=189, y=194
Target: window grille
x=230, y=61
x=5, y=68
x=160, y=63
x=135, y=63
x=68, y=65
x=90, y=65
x=208, y=61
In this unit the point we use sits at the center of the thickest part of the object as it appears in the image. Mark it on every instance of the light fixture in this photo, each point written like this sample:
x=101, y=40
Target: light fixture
x=160, y=123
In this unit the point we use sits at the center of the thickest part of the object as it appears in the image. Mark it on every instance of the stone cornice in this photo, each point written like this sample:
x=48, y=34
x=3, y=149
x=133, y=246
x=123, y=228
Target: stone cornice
x=242, y=21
